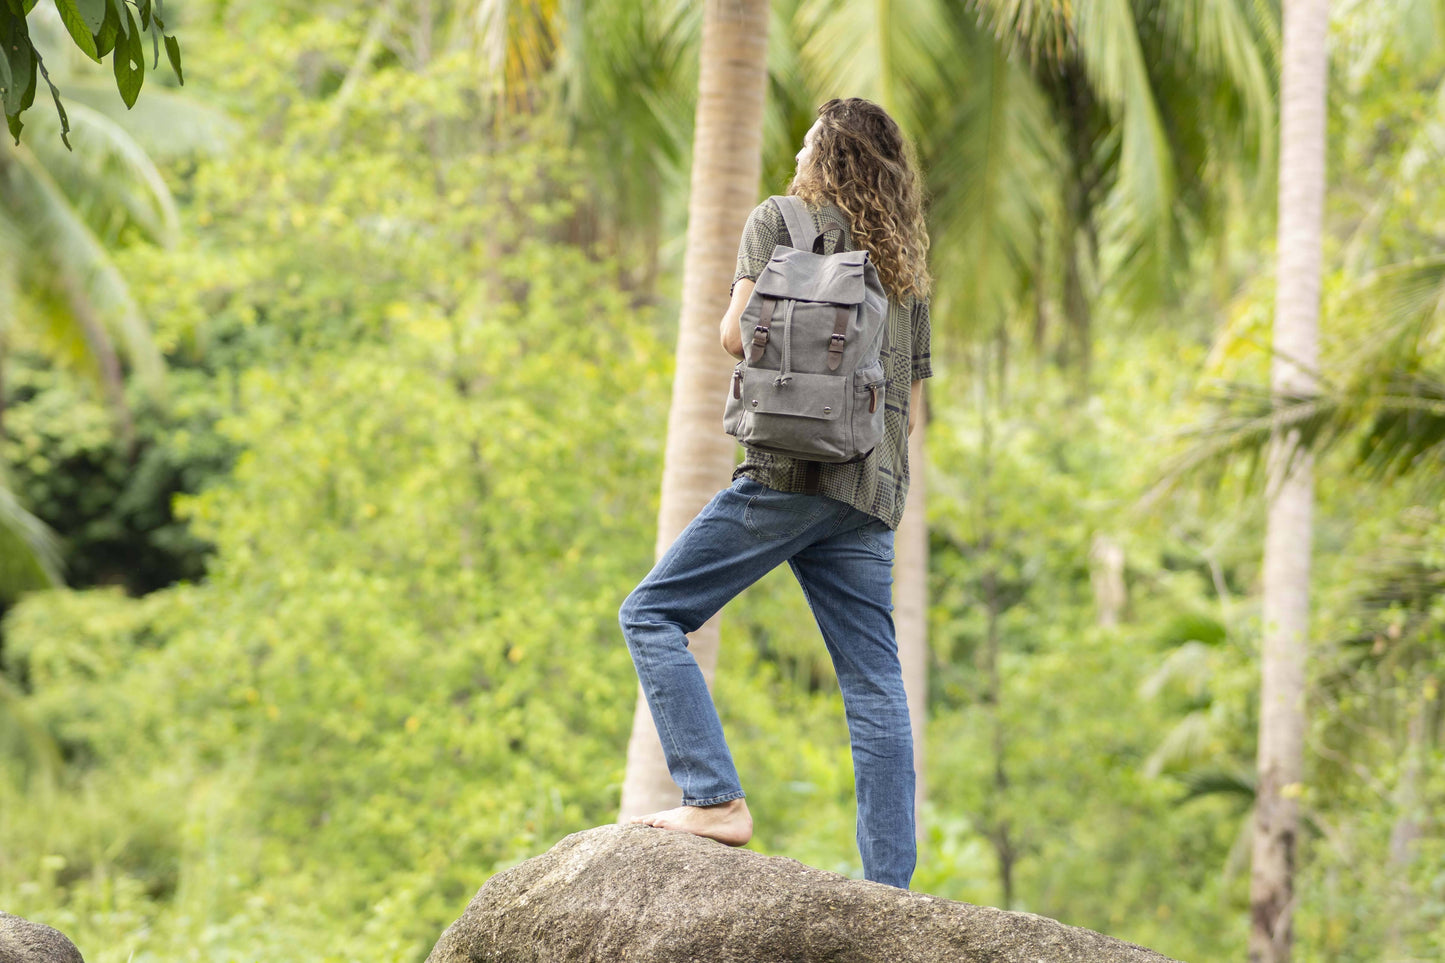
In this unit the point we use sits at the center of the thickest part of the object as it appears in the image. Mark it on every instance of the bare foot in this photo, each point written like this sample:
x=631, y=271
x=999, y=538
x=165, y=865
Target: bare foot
x=728, y=822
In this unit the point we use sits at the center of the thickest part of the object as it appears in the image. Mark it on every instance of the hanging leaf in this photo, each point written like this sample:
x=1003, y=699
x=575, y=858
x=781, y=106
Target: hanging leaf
x=6, y=79
x=15, y=38
x=145, y=14
x=59, y=107
x=94, y=13
x=118, y=9
x=173, y=53
x=130, y=63
x=80, y=31
x=109, y=30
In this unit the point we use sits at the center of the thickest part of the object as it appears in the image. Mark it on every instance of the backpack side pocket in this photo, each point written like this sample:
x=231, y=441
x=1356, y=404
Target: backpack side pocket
x=733, y=408
x=869, y=400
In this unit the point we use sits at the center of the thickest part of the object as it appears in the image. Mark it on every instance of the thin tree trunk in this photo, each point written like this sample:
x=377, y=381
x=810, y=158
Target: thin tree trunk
x=995, y=816
x=999, y=831
x=1290, y=484
x=1405, y=835
x=726, y=169
x=911, y=605
x=1106, y=573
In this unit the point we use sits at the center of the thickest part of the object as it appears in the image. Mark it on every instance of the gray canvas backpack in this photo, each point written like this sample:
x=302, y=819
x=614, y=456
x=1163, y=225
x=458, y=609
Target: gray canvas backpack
x=811, y=385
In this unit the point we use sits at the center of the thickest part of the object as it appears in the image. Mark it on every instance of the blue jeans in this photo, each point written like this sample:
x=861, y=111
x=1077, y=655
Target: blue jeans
x=842, y=558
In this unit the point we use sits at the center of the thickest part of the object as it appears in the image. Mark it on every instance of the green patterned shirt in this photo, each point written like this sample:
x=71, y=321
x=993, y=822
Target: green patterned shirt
x=877, y=485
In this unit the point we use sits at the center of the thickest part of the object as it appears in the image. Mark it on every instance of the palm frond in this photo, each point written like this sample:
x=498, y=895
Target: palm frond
x=1186, y=743
x=29, y=554
x=1042, y=30
x=627, y=81
x=1246, y=419
x=165, y=123
x=108, y=177
x=68, y=259
x=1219, y=36
x=1187, y=668
x=1200, y=783
x=1402, y=307
x=515, y=43
x=894, y=52
x=1406, y=435
x=1138, y=215
x=993, y=159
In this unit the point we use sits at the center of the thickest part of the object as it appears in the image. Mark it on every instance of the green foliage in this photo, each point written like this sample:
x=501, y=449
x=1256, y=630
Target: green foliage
x=108, y=498
x=97, y=27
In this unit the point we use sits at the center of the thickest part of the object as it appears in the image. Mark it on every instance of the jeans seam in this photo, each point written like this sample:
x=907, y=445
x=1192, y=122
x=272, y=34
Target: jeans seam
x=714, y=800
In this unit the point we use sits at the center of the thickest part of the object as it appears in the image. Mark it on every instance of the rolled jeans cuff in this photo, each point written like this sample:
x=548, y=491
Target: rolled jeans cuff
x=715, y=800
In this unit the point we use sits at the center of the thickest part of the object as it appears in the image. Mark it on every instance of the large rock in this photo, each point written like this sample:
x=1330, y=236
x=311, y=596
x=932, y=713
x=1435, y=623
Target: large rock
x=656, y=896
x=22, y=941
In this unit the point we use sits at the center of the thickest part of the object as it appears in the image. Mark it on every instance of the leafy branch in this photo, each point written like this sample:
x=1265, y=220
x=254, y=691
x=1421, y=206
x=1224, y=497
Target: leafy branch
x=98, y=27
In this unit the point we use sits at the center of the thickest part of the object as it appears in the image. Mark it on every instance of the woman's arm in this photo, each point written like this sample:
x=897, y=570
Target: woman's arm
x=728, y=331
x=915, y=403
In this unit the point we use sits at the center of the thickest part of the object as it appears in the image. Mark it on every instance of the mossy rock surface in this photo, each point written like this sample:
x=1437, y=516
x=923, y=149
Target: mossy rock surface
x=656, y=896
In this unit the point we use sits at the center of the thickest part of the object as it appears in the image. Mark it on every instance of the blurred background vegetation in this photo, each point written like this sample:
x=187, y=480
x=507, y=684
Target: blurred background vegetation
x=333, y=389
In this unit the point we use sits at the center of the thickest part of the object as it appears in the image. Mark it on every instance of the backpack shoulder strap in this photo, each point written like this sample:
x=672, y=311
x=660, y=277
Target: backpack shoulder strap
x=845, y=231
x=800, y=223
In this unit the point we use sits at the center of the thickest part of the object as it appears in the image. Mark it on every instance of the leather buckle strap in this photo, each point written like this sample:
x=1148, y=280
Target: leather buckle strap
x=839, y=337
x=760, y=333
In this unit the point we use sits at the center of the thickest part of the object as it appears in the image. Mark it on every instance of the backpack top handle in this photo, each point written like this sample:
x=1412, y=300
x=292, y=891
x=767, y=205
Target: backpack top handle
x=800, y=224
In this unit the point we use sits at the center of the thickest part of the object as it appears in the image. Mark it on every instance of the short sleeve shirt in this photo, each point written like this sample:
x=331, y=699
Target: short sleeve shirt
x=877, y=485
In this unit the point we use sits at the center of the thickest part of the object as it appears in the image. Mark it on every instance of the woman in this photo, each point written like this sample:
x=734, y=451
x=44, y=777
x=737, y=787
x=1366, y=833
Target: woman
x=832, y=523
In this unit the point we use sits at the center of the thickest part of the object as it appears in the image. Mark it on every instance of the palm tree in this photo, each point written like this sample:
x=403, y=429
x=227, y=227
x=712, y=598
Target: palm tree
x=1152, y=109
x=727, y=165
x=1289, y=483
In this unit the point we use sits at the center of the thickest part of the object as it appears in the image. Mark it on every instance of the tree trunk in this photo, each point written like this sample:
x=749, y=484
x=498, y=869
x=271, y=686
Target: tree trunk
x=999, y=830
x=1290, y=483
x=1106, y=573
x=1405, y=835
x=911, y=605
x=726, y=169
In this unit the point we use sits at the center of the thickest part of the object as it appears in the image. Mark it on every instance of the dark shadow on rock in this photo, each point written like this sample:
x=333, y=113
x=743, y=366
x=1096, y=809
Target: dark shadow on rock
x=22, y=941
x=656, y=896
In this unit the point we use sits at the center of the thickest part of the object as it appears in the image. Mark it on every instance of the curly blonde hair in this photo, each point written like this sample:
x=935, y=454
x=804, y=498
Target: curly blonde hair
x=862, y=162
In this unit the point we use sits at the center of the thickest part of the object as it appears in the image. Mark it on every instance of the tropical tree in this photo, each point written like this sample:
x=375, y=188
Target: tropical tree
x=727, y=164
x=1289, y=483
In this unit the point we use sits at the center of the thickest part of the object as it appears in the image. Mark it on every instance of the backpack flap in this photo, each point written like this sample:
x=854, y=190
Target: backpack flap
x=805, y=276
